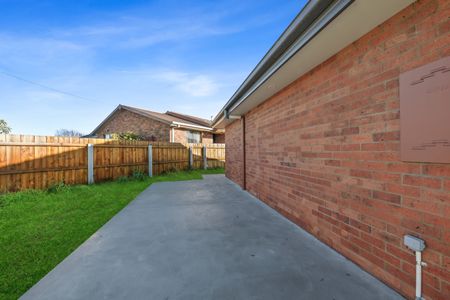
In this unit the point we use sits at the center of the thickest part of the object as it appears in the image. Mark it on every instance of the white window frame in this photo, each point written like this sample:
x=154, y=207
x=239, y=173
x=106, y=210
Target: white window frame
x=190, y=137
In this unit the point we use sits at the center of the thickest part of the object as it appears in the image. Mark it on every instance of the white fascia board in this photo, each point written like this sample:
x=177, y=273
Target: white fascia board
x=192, y=126
x=359, y=18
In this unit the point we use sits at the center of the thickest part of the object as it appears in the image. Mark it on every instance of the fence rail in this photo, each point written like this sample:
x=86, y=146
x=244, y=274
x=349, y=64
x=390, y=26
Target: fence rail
x=36, y=162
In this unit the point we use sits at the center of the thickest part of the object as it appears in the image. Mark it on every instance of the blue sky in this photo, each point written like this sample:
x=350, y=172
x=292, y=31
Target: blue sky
x=185, y=56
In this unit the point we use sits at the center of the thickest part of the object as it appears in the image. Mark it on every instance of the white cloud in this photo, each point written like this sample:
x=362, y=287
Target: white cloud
x=191, y=84
x=42, y=57
x=83, y=60
x=43, y=96
x=140, y=32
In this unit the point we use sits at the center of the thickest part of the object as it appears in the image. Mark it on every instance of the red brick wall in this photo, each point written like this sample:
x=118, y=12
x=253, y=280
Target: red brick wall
x=325, y=153
x=207, y=138
x=181, y=136
x=124, y=121
x=234, y=153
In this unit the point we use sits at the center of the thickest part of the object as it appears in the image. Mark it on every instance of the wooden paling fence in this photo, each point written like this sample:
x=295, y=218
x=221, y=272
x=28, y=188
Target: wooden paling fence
x=214, y=153
x=37, y=162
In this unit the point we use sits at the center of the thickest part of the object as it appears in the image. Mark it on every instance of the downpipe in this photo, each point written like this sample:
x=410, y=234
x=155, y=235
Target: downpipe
x=417, y=245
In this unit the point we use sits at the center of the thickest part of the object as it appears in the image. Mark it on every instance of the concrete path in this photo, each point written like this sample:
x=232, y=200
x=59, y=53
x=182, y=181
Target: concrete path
x=204, y=239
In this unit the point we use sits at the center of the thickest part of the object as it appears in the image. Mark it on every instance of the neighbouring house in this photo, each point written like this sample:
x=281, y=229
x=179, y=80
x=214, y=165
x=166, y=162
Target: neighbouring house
x=162, y=127
x=321, y=131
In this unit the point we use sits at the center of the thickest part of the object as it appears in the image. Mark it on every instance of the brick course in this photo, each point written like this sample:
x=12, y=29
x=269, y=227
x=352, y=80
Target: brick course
x=325, y=153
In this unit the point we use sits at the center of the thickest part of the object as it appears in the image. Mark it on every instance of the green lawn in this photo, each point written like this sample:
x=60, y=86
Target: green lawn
x=38, y=229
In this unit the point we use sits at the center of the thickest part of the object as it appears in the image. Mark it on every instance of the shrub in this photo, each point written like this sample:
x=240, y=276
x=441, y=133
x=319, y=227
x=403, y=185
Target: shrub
x=173, y=170
x=138, y=175
x=127, y=136
x=57, y=187
x=123, y=179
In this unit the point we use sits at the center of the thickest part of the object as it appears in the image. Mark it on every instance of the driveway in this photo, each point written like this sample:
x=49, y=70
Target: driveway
x=204, y=239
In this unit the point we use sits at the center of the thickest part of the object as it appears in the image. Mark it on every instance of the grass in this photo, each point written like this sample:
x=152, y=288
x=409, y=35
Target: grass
x=38, y=229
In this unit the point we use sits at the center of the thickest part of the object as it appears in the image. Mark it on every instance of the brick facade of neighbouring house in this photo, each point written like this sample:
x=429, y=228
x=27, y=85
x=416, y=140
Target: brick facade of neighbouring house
x=324, y=152
x=207, y=138
x=181, y=136
x=126, y=121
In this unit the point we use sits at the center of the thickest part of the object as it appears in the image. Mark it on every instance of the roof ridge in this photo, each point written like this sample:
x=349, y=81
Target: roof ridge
x=186, y=116
x=173, y=116
x=143, y=109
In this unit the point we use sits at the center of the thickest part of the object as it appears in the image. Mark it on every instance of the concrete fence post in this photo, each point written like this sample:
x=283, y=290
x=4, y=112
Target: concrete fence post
x=191, y=158
x=90, y=163
x=150, y=160
x=205, y=158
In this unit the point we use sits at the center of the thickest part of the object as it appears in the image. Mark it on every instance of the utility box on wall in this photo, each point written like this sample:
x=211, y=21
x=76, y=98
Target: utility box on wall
x=425, y=113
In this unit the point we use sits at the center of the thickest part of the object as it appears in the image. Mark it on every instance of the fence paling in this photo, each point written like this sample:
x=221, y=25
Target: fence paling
x=28, y=162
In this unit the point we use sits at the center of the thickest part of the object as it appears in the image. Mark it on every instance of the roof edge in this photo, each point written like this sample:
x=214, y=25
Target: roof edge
x=131, y=109
x=193, y=119
x=198, y=127
x=303, y=23
x=104, y=121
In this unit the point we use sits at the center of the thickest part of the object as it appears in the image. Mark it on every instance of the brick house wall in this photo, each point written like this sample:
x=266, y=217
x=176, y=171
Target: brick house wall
x=181, y=136
x=324, y=152
x=234, y=152
x=207, y=138
x=124, y=121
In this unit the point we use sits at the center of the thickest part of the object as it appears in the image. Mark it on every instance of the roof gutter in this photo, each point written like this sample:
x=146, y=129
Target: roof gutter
x=192, y=126
x=311, y=20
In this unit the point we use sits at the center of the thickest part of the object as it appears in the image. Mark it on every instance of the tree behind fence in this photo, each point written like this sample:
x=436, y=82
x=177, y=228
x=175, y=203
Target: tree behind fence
x=36, y=162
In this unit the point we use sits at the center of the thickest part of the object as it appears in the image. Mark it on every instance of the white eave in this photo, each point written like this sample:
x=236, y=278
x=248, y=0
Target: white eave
x=340, y=24
x=186, y=125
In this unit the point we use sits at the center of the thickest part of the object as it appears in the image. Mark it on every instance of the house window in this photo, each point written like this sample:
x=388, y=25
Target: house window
x=193, y=137
x=107, y=136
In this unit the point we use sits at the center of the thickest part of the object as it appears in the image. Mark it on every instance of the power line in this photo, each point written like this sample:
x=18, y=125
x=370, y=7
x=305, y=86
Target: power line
x=47, y=87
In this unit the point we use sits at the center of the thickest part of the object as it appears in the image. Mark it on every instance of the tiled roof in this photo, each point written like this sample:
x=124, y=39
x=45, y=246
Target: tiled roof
x=170, y=116
x=198, y=120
